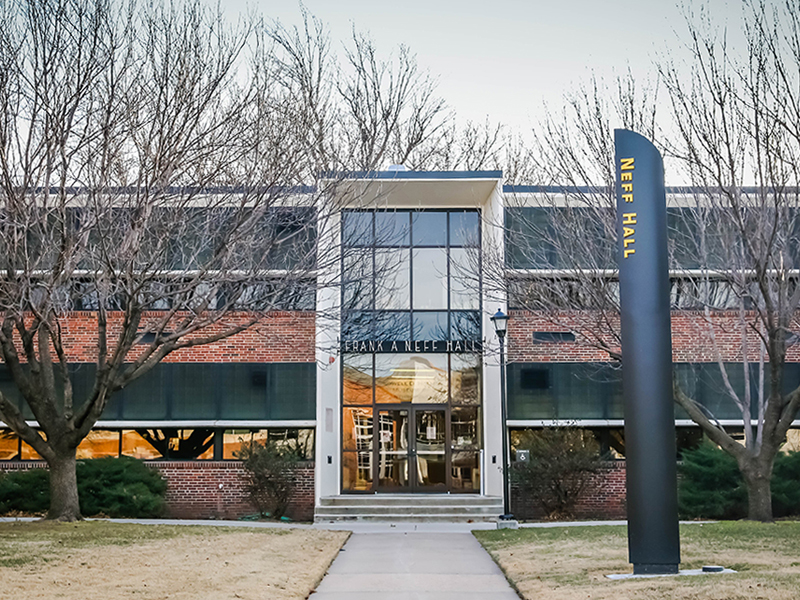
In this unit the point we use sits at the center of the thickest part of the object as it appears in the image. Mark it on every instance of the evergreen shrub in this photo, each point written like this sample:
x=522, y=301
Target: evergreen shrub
x=25, y=491
x=710, y=484
x=120, y=487
x=786, y=485
x=115, y=487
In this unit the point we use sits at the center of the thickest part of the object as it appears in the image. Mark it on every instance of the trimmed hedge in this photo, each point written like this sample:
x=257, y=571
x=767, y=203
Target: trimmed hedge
x=115, y=487
x=711, y=486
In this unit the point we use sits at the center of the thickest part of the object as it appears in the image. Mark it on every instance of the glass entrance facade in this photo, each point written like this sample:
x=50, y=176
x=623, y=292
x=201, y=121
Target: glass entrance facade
x=411, y=362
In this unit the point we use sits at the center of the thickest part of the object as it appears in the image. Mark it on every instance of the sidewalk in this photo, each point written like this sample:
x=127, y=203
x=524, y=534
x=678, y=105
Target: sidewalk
x=413, y=566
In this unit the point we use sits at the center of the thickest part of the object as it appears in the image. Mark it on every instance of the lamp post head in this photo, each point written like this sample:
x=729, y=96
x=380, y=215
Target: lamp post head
x=500, y=320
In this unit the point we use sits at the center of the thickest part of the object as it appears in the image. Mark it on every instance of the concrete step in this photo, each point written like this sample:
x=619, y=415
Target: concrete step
x=410, y=500
x=419, y=518
x=404, y=508
x=412, y=510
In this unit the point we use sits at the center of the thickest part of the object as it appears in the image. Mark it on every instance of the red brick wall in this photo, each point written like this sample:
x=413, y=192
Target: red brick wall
x=605, y=500
x=194, y=492
x=691, y=337
x=215, y=490
x=278, y=337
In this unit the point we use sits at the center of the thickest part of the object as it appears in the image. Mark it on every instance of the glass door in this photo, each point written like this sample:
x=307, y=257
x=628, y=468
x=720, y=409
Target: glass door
x=412, y=449
x=429, y=449
x=393, y=450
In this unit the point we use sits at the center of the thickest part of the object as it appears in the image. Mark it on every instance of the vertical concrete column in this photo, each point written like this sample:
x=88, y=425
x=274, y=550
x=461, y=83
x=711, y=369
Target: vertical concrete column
x=493, y=242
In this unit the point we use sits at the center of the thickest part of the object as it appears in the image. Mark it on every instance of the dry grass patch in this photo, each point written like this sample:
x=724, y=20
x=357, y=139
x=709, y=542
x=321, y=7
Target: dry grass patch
x=571, y=563
x=99, y=560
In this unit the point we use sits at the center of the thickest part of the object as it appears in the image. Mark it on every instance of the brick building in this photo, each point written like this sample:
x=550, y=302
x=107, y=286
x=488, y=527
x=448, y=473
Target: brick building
x=390, y=384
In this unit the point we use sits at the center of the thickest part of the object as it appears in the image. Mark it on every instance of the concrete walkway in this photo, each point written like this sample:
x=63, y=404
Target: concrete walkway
x=414, y=566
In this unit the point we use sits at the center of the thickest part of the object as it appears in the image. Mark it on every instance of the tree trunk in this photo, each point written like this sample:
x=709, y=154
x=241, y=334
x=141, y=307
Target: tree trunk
x=759, y=494
x=64, y=503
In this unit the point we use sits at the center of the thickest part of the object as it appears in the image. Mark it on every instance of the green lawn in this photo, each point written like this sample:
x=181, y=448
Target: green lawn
x=571, y=563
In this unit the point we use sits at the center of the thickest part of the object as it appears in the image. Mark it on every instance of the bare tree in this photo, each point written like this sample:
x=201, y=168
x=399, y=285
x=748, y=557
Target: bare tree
x=145, y=175
x=737, y=117
x=734, y=238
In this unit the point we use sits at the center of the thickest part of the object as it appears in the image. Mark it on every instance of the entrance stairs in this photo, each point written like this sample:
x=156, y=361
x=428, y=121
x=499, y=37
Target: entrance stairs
x=409, y=508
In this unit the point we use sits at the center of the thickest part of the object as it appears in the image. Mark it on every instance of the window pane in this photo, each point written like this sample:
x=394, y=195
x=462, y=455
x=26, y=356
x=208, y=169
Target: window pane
x=465, y=471
x=357, y=325
x=133, y=444
x=145, y=398
x=193, y=392
x=29, y=453
x=9, y=445
x=356, y=471
x=465, y=426
x=430, y=326
x=358, y=279
x=429, y=228
x=357, y=230
x=232, y=442
x=357, y=428
x=392, y=269
x=465, y=325
x=99, y=444
x=245, y=391
x=392, y=326
x=292, y=391
x=464, y=280
x=411, y=378
x=357, y=379
x=430, y=279
x=391, y=228
x=464, y=229
x=465, y=378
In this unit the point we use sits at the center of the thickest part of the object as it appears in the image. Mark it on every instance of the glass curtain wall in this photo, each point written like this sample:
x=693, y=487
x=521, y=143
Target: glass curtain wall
x=411, y=420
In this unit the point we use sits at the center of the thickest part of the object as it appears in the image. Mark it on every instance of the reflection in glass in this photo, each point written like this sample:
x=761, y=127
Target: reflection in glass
x=429, y=444
x=392, y=270
x=430, y=279
x=9, y=445
x=133, y=444
x=357, y=277
x=429, y=228
x=392, y=326
x=29, y=453
x=464, y=228
x=391, y=228
x=464, y=281
x=465, y=378
x=99, y=444
x=357, y=228
x=465, y=325
x=421, y=379
x=357, y=379
x=393, y=448
x=357, y=428
x=357, y=325
x=465, y=471
x=465, y=431
x=356, y=471
x=297, y=441
x=430, y=326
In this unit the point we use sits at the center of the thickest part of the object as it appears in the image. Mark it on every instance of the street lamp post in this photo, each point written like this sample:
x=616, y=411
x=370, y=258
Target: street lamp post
x=500, y=321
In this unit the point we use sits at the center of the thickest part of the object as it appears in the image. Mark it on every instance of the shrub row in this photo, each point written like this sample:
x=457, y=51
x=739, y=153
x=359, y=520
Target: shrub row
x=712, y=487
x=114, y=487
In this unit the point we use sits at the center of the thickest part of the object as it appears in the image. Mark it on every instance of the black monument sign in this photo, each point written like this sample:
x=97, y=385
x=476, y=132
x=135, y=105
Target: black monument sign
x=653, y=539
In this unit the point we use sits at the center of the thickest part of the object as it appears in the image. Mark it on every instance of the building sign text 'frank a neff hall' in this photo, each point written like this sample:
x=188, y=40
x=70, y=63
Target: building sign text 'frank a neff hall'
x=408, y=346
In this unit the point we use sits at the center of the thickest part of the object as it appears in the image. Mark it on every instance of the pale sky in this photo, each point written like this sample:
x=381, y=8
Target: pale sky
x=505, y=58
